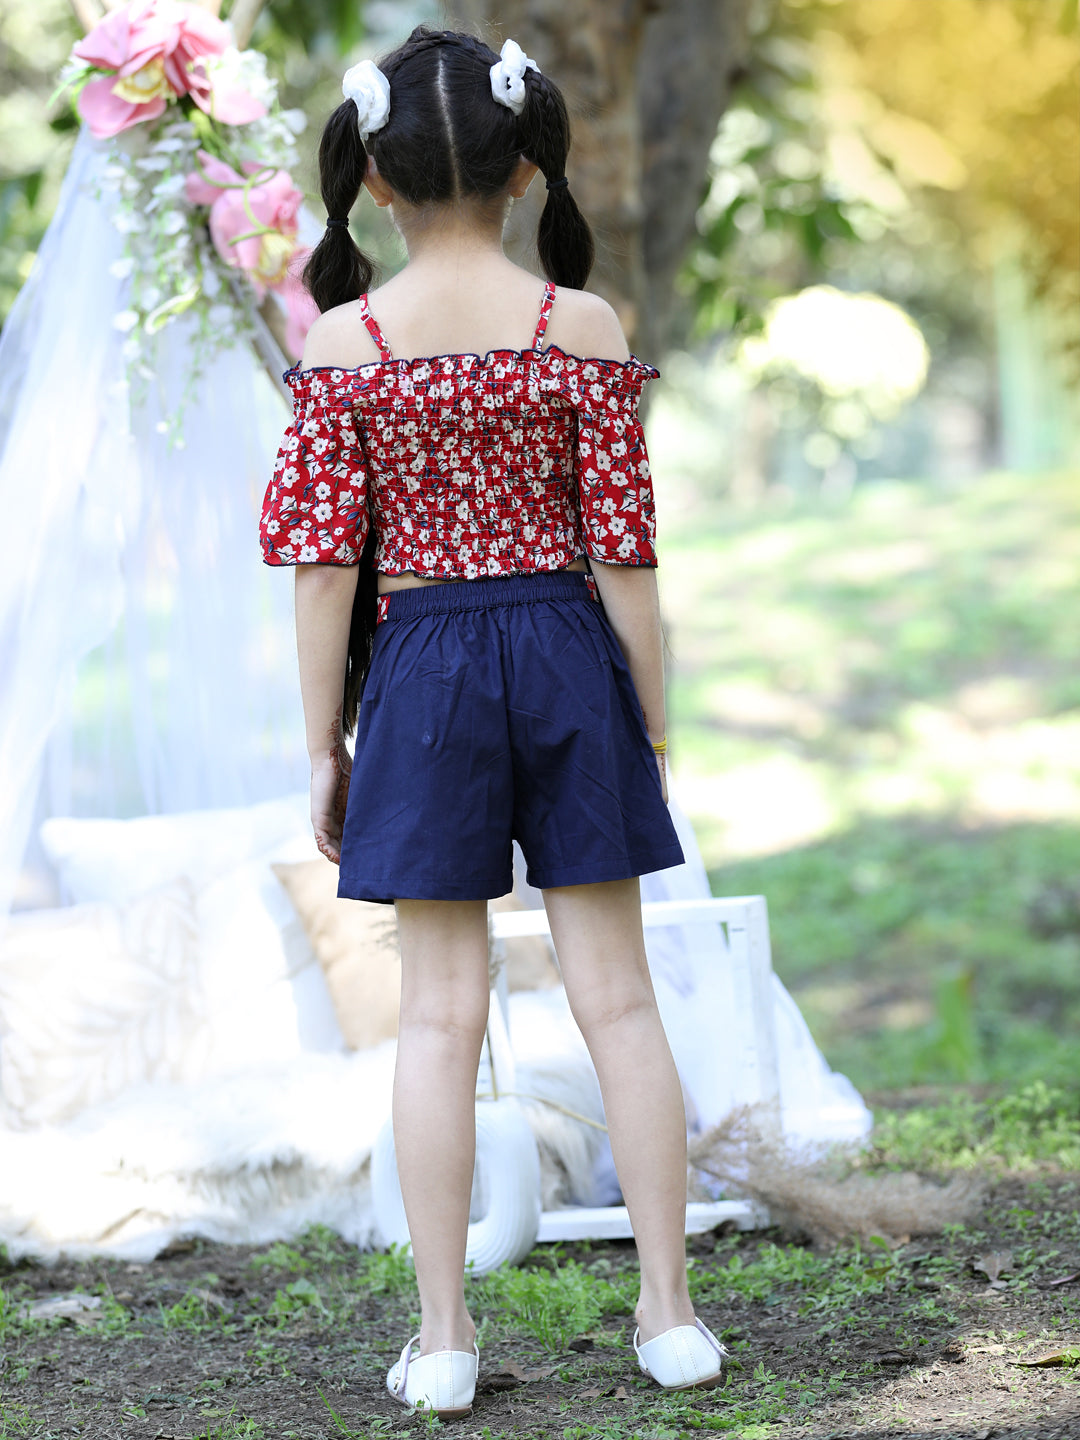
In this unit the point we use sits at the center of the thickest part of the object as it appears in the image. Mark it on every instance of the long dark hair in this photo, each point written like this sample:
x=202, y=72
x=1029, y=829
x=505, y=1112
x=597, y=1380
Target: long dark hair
x=446, y=139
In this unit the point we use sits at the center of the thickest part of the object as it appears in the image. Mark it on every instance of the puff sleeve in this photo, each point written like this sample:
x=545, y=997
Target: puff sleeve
x=315, y=508
x=611, y=464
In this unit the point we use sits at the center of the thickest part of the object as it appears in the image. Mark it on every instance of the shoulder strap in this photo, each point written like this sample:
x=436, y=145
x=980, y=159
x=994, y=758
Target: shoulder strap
x=545, y=315
x=373, y=329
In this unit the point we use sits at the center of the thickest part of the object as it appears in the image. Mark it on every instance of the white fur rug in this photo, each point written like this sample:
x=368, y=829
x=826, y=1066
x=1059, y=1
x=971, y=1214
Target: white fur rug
x=264, y=1153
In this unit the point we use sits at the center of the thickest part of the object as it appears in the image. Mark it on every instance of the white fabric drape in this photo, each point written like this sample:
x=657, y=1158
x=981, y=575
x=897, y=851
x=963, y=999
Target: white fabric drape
x=146, y=656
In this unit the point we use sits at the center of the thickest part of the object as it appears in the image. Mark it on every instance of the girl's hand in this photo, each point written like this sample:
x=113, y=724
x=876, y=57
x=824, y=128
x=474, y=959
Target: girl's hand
x=329, y=791
x=661, y=765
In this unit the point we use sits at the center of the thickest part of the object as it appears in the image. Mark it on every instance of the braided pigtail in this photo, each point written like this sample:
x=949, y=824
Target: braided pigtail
x=337, y=269
x=564, y=241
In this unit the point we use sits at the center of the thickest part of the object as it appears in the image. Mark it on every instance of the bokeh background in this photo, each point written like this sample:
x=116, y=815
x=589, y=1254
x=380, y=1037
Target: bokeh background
x=849, y=233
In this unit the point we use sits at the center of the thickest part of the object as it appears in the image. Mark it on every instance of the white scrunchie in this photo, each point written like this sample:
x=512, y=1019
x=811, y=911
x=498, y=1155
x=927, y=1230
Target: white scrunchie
x=367, y=86
x=508, y=76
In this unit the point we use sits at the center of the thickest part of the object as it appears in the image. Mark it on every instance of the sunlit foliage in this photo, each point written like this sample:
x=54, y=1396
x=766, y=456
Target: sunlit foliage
x=921, y=128
x=976, y=99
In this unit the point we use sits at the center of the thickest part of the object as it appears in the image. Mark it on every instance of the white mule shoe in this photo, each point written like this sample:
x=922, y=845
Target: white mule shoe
x=682, y=1358
x=444, y=1381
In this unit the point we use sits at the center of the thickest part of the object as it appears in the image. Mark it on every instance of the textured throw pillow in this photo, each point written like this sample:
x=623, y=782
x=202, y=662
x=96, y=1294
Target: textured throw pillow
x=94, y=998
x=357, y=946
x=265, y=995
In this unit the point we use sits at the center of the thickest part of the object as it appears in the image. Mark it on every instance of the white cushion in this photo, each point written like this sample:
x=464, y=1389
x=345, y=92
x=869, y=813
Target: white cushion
x=119, y=859
x=94, y=998
x=266, y=997
x=264, y=994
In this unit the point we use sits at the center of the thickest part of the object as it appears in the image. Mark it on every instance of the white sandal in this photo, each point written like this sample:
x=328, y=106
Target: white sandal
x=685, y=1358
x=444, y=1381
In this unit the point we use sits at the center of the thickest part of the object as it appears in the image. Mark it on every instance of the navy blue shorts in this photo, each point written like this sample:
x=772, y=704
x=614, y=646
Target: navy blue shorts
x=499, y=710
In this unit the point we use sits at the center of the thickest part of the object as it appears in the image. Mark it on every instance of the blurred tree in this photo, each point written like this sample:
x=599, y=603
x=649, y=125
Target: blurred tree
x=35, y=37
x=946, y=132
x=988, y=88
x=647, y=82
x=773, y=216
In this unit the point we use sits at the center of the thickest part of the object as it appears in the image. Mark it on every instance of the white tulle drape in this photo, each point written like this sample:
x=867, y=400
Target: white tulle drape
x=146, y=659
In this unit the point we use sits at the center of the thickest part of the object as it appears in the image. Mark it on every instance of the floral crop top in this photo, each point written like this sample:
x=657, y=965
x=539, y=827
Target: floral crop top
x=518, y=461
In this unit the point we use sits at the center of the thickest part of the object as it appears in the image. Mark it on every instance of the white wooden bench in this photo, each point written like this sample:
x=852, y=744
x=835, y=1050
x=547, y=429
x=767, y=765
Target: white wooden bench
x=744, y=921
x=507, y=1156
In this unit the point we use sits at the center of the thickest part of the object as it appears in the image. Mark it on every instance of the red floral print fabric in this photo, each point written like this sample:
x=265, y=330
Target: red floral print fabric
x=468, y=466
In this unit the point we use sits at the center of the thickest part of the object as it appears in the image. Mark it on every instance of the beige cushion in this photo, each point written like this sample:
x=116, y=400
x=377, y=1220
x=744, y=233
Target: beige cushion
x=356, y=943
x=97, y=997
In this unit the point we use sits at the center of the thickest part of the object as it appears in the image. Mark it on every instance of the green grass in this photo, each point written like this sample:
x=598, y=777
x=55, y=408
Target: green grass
x=554, y=1306
x=1032, y=1128
x=912, y=953
x=875, y=718
x=15, y=1420
x=231, y=1428
x=911, y=1298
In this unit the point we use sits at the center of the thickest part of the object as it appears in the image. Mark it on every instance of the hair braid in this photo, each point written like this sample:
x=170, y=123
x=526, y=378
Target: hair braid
x=337, y=269
x=564, y=241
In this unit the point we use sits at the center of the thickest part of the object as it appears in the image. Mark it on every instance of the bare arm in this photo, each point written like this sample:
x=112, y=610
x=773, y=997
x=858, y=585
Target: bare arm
x=633, y=607
x=324, y=600
x=587, y=325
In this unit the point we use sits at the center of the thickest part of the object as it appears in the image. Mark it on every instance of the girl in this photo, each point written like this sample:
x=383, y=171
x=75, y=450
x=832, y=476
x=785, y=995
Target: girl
x=458, y=490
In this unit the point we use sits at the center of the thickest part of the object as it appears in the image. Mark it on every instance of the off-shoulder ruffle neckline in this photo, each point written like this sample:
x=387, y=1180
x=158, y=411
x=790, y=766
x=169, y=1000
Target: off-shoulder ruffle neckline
x=630, y=364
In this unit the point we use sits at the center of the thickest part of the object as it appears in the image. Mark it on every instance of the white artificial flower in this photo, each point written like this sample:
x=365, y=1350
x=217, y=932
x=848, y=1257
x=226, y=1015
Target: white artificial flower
x=245, y=69
x=170, y=187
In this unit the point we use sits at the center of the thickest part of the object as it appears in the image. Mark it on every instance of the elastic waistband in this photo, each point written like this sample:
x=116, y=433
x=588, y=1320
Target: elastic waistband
x=489, y=591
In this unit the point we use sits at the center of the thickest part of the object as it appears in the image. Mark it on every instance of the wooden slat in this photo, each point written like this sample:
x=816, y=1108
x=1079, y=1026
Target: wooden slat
x=512, y=924
x=612, y=1222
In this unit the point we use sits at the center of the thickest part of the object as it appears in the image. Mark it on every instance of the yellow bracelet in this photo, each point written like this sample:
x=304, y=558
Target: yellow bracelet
x=660, y=748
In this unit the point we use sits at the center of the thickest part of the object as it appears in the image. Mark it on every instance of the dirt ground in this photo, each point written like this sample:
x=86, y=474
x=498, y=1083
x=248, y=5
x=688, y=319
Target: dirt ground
x=200, y=1343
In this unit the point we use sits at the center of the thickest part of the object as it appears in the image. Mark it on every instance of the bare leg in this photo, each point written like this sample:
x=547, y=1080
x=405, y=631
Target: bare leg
x=601, y=950
x=444, y=1006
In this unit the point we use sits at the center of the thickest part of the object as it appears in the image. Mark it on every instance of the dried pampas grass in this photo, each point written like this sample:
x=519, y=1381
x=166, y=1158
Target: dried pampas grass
x=827, y=1198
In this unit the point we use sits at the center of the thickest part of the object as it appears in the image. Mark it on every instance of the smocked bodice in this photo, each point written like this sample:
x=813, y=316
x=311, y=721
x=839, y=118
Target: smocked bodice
x=466, y=465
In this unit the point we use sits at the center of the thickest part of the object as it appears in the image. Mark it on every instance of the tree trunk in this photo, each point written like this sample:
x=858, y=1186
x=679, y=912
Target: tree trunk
x=646, y=82
x=695, y=51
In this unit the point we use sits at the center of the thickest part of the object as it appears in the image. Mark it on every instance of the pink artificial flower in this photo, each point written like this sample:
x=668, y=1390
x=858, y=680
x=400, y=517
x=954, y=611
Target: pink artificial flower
x=238, y=207
x=301, y=312
x=155, y=51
